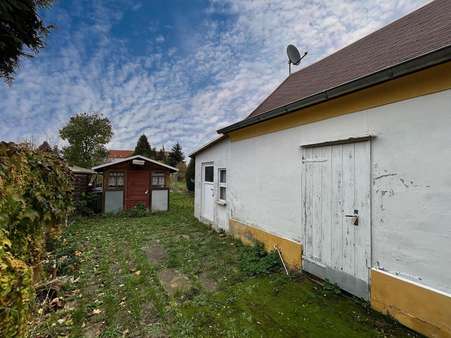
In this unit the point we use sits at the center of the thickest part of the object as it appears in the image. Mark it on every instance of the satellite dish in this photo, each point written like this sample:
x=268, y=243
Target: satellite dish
x=294, y=57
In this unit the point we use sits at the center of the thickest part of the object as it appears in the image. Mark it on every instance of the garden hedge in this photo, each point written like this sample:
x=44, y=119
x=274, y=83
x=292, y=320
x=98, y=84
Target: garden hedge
x=35, y=201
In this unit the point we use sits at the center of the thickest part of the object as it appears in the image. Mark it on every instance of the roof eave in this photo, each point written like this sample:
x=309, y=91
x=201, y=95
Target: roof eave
x=101, y=166
x=436, y=57
x=207, y=145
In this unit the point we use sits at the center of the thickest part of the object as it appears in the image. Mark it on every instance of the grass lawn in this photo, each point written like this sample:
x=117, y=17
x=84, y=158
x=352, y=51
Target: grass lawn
x=167, y=275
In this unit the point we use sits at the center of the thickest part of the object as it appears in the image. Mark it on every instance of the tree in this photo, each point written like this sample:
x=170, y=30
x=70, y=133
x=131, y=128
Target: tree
x=143, y=147
x=176, y=155
x=190, y=174
x=22, y=32
x=161, y=155
x=181, y=166
x=87, y=134
x=45, y=146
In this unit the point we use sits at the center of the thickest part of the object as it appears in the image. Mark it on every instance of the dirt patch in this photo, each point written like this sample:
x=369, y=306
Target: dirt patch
x=207, y=282
x=174, y=281
x=156, y=254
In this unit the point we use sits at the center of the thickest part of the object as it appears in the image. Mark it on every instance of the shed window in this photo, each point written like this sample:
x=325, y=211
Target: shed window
x=222, y=184
x=116, y=179
x=209, y=174
x=157, y=179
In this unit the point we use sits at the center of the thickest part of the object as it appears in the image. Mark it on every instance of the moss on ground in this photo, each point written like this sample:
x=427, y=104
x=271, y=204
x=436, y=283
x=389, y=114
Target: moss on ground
x=116, y=291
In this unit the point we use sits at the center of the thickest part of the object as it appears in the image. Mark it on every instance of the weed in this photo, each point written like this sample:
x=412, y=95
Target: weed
x=138, y=210
x=118, y=292
x=255, y=260
x=329, y=288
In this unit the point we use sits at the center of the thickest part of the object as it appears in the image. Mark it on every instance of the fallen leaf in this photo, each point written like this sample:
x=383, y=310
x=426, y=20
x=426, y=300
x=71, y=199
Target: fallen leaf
x=96, y=311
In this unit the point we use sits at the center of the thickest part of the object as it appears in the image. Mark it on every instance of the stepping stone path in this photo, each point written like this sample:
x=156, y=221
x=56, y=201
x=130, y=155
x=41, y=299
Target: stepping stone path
x=174, y=281
x=156, y=254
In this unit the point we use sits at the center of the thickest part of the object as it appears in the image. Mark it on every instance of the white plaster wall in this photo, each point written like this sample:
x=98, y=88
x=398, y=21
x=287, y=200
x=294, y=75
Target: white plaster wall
x=219, y=154
x=411, y=206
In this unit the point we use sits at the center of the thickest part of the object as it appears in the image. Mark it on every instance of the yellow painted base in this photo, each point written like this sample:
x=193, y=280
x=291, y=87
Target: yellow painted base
x=418, y=308
x=291, y=251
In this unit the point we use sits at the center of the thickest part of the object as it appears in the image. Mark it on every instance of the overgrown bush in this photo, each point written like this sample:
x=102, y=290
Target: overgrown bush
x=88, y=204
x=139, y=210
x=190, y=175
x=35, y=199
x=255, y=260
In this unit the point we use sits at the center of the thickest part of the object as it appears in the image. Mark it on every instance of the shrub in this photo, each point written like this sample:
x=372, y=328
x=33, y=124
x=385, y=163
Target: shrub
x=255, y=260
x=35, y=199
x=88, y=204
x=138, y=210
x=190, y=175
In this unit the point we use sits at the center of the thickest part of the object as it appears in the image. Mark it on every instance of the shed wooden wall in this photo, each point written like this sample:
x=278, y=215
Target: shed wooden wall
x=81, y=182
x=128, y=168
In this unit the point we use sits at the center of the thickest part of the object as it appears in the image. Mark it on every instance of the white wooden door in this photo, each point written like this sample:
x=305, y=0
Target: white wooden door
x=208, y=192
x=336, y=214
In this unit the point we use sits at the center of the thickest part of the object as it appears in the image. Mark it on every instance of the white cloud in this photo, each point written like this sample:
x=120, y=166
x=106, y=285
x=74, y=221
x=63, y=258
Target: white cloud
x=225, y=69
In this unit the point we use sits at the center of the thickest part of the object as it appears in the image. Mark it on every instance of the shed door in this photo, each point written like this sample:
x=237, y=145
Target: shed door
x=138, y=182
x=208, y=192
x=336, y=214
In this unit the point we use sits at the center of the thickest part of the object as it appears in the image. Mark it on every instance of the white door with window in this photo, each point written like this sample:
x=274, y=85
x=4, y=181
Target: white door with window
x=208, y=192
x=336, y=214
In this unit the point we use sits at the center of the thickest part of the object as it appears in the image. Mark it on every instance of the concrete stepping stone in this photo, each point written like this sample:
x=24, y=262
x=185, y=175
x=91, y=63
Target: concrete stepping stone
x=174, y=281
x=156, y=254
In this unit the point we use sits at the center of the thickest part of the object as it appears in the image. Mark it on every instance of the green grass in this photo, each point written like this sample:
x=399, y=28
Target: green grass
x=116, y=290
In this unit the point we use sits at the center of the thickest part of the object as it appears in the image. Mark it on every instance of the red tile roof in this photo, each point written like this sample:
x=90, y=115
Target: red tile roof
x=119, y=153
x=420, y=32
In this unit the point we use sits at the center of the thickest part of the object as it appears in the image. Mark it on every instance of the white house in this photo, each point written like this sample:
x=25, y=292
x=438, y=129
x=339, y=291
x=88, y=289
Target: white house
x=346, y=167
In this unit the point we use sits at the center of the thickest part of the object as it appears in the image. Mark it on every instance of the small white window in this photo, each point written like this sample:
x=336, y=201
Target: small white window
x=209, y=174
x=158, y=180
x=116, y=179
x=222, y=184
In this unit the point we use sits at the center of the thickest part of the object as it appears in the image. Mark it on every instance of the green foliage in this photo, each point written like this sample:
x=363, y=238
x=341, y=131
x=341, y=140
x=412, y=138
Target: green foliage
x=190, y=175
x=161, y=155
x=255, y=260
x=35, y=199
x=176, y=155
x=87, y=204
x=22, y=33
x=87, y=135
x=45, y=146
x=16, y=292
x=143, y=147
x=138, y=210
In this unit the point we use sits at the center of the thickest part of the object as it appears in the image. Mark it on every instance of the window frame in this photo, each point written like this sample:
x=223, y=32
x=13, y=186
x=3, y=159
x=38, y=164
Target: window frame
x=222, y=185
x=212, y=172
x=115, y=174
x=158, y=174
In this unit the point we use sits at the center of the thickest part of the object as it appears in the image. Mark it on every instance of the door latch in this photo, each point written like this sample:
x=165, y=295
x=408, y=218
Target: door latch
x=355, y=217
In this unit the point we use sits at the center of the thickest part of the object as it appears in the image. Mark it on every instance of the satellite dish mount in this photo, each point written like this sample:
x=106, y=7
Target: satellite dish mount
x=294, y=57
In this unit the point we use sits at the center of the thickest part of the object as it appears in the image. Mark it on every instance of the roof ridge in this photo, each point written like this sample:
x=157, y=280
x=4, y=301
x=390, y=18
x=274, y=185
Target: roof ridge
x=369, y=34
x=419, y=32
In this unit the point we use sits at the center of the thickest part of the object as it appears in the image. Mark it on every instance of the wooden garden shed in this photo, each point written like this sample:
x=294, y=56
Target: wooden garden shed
x=135, y=180
x=81, y=180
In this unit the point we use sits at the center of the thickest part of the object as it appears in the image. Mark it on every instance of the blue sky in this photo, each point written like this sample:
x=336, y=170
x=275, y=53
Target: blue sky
x=174, y=70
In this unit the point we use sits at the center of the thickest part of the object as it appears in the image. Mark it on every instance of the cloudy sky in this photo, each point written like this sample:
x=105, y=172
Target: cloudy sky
x=175, y=70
